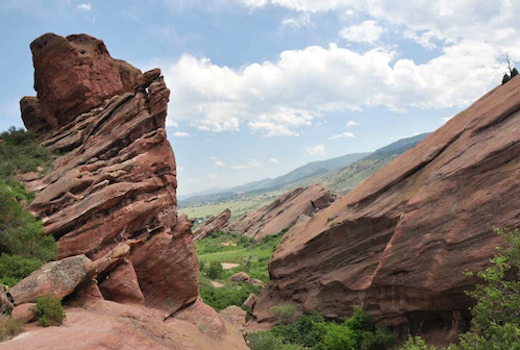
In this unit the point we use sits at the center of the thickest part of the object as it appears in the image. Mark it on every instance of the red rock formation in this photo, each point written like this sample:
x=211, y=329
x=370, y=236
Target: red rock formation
x=399, y=242
x=110, y=199
x=109, y=325
x=281, y=213
x=214, y=224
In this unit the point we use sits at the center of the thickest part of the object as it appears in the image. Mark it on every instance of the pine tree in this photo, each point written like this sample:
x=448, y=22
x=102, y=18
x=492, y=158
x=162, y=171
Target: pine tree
x=505, y=79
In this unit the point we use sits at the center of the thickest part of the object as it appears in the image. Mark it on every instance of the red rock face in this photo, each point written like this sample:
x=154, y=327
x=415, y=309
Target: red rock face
x=399, y=242
x=214, y=224
x=109, y=325
x=116, y=181
x=281, y=213
x=92, y=75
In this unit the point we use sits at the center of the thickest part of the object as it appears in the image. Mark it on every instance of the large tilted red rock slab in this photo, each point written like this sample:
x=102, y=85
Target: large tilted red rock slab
x=282, y=212
x=214, y=224
x=109, y=325
x=398, y=244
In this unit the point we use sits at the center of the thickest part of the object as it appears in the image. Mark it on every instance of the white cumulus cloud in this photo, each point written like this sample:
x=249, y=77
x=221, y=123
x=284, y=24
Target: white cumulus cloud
x=318, y=149
x=274, y=161
x=283, y=97
x=351, y=123
x=219, y=163
x=253, y=163
x=85, y=7
x=181, y=134
x=367, y=32
x=345, y=134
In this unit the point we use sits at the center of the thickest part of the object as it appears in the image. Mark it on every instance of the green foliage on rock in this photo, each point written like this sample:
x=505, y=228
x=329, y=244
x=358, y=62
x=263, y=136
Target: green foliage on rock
x=49, y=311
x=20, y=152
x=23, y=245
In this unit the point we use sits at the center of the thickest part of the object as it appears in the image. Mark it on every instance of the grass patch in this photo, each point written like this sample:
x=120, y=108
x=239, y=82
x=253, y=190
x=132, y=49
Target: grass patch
x=9, y=327
x=251, y=257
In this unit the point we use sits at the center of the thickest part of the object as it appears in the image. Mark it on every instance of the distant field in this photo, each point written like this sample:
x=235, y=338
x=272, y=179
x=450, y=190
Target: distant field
x=238, y=207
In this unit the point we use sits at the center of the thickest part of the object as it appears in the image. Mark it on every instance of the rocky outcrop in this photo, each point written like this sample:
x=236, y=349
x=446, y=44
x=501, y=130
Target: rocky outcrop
x=244, y=277
x=398, y=244
x=109, y=325
x=234, y=315
x=214, y=224
x=281, y=213
x=59, y=278
x=110, y=202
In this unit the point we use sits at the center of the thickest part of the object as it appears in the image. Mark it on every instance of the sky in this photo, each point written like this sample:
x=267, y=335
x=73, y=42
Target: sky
x=260, y=87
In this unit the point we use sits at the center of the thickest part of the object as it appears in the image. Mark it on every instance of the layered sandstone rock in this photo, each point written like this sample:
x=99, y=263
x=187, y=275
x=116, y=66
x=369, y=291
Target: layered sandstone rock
x=282, y=212
x=214, y=224
x=109, y=325
x=398, y=244
x=110, y=202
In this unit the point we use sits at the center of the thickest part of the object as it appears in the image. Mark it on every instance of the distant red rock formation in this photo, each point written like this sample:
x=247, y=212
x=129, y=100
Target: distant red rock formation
x=282, y=212
x=398, y=244
x=214, y=224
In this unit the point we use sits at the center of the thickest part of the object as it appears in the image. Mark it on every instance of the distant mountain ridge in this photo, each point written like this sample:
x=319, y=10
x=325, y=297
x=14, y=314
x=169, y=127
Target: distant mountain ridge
x=310, y=169
x=338, y=174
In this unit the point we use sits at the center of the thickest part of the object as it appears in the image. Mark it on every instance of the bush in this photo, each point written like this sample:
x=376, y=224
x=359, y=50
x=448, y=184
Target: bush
x=202, y=265
x=14, y=268
x=284, y=313
x=9, y=327
x=416, y=343
x=215, y=270
x=505, y=79
x=48, y=311
x=514, y=73
x=306, y=331
x=20, y=232
x=232, y=293
x=21, y=152
x=359, y=333
x=269, y=341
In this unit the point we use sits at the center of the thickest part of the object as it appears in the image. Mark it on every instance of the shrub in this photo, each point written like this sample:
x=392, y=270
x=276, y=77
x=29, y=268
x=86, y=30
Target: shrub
x=14, y=268
x=9, y=327
x=338, y=337
x=215, y=270
x=514, y=73
x=416, y=343
x=21, y=152
x=20, y=232
x=232, y=293
x=269, y=341
x=284, y=313
x=306, y=331
x=202, y=265
x=48, y=311
x=505, y=79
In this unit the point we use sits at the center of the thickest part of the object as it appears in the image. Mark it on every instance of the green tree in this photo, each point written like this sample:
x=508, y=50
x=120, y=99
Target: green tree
x=215, y=270
x=505, y=79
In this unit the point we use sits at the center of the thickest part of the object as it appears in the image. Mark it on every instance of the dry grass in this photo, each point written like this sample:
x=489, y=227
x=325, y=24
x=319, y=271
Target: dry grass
x=9, y=327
